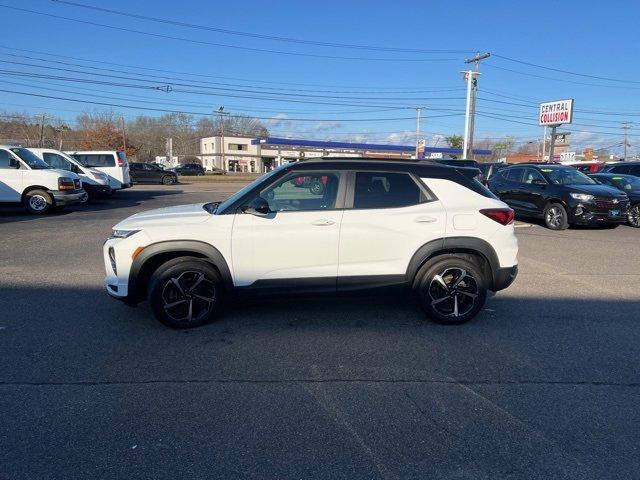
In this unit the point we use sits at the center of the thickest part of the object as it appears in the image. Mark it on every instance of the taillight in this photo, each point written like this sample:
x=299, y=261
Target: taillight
x=503, y=216
x=120, y=162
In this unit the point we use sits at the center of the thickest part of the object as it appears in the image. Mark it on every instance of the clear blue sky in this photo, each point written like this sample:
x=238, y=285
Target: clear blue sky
x=584, y=37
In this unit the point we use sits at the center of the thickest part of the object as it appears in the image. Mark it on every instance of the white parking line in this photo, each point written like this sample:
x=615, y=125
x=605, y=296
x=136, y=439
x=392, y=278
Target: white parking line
x=522, y=225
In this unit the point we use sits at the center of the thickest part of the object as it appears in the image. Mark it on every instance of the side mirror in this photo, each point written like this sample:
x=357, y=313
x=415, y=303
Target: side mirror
x=13, y=163
x=258, y=207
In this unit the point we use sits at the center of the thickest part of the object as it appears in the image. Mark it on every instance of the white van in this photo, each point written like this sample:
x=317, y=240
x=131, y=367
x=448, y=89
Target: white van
x=112, y=162
x=95, y=182
x=26, y=179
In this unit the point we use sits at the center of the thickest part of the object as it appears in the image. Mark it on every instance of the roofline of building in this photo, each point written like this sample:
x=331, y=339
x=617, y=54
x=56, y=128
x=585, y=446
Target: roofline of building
x=277, y=141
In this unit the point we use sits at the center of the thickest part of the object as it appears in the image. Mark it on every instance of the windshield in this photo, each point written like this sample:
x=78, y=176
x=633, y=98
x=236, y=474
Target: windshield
x=567, y=176
x=30, y=158
x=626, y=183
x=248, y=187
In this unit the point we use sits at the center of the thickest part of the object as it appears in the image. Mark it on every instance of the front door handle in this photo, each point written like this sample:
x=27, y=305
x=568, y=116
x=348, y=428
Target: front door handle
x=322, y=222
x=426, y=219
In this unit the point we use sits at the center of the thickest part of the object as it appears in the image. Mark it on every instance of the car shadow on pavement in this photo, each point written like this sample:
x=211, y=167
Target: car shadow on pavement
x=124, y=199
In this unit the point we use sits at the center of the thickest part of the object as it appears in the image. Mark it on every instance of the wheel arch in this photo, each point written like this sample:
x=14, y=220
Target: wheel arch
x=31, y=188
x=452, y=245
x=156, y=254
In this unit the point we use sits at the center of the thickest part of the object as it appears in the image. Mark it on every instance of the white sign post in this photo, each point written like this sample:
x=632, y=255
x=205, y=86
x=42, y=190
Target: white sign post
x=553, y=114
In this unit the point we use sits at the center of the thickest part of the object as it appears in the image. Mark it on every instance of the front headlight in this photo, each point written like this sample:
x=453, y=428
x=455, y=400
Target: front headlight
x=66, y=183
x=583, y=197
x=123, y=233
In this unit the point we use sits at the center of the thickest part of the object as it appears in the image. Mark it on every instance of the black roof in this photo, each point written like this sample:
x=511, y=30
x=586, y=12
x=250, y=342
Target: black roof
x=417, y=167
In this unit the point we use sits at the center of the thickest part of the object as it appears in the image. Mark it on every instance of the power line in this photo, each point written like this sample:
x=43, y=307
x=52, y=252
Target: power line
x=51, y=54
x=559, y=70
x=237, y=47
x=256, y=35
x=232, y=116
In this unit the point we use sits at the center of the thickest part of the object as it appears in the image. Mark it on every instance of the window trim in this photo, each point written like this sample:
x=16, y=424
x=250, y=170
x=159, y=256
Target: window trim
x=351, y=189
x=340, y=194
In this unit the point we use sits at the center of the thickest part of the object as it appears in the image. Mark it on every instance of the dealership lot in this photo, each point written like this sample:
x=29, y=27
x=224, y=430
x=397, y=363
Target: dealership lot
x=543, y=384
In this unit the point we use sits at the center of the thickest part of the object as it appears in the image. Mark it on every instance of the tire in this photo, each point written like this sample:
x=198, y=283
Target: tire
x=167, y=180
x=199, y=174
x=317, y=188
x=185, y=293
x=38, y=202
x=555, y=217
x=634, y=215
x=452, y=289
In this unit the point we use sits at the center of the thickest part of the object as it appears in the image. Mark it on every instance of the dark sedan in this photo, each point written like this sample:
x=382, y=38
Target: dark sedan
x=629, y=185
x=189, y=169
x=151, y=173
x=560, y=195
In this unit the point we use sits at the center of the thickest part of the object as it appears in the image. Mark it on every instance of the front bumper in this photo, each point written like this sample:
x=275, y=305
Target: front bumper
x=69, y=197
x=590, y=214
x=97, y=190
x=503, y=277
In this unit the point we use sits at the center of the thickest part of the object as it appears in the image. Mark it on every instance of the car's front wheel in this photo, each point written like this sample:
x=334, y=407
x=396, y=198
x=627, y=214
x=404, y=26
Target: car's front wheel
x=634, y=215
x=168, y=180
x=452, y=289
x=185, y=292
x=555, y=217
x=38, y=202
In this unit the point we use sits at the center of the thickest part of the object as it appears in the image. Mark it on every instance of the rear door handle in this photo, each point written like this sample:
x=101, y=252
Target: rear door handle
x=426, y=219
x=322, y=222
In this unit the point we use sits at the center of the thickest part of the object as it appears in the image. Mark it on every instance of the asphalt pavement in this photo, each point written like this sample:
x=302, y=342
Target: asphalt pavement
x=543, y=384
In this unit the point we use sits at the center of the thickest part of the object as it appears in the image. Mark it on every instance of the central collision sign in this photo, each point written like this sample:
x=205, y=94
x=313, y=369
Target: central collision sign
x=556, y=113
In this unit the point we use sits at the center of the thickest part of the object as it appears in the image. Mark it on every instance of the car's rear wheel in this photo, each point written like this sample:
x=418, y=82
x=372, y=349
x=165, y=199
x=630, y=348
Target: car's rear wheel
x=168, y=180
x=634, y=215
x=185, y=293
x=452, y=289
x=555, y=217
x=38, y=202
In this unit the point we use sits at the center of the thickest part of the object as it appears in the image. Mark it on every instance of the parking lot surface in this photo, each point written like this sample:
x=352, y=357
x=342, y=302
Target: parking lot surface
x=543, y=384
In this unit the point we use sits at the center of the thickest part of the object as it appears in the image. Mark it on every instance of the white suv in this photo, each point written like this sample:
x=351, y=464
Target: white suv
x=322, y=225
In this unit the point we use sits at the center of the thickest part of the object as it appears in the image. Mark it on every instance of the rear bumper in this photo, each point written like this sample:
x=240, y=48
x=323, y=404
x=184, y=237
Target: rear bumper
x=63, y=198
x=503, y=277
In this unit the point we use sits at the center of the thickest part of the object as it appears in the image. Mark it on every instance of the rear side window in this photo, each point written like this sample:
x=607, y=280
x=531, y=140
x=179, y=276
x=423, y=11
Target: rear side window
x=95, y=159
x=634, y=170
x=386, y=190
x=515, y=174
x=620, y=169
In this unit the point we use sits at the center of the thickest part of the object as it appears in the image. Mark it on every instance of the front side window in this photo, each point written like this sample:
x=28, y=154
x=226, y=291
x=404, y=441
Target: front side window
x=567, y=176
x=5, y=160
x=56, y=161
x=300, y=192
x=385, y=190
x=30, y=158
x=532, y=176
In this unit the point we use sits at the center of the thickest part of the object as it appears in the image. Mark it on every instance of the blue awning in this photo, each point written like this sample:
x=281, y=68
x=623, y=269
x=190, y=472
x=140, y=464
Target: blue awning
x=297, y=142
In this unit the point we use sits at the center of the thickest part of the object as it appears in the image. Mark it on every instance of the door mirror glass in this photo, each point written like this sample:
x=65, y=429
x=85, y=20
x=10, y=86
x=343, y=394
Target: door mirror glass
x=13, y=163
x=258, y=207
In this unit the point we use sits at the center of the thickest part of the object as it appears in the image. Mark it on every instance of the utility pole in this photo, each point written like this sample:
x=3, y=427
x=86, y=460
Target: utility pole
x=169, y=149
x=468, y=76
x=224, y=161
x=124, y=139
x=544, y=142
x=42, y=131
x=625, y=127
x=418, y=110
x=474, y=94
x=553, y=142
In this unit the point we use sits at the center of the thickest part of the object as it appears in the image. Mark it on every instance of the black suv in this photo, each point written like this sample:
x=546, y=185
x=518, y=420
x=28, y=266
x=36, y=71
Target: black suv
x=629, y=185
x=560, y=195
x=624, y=168
x=189, y=169
x=151, y=173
